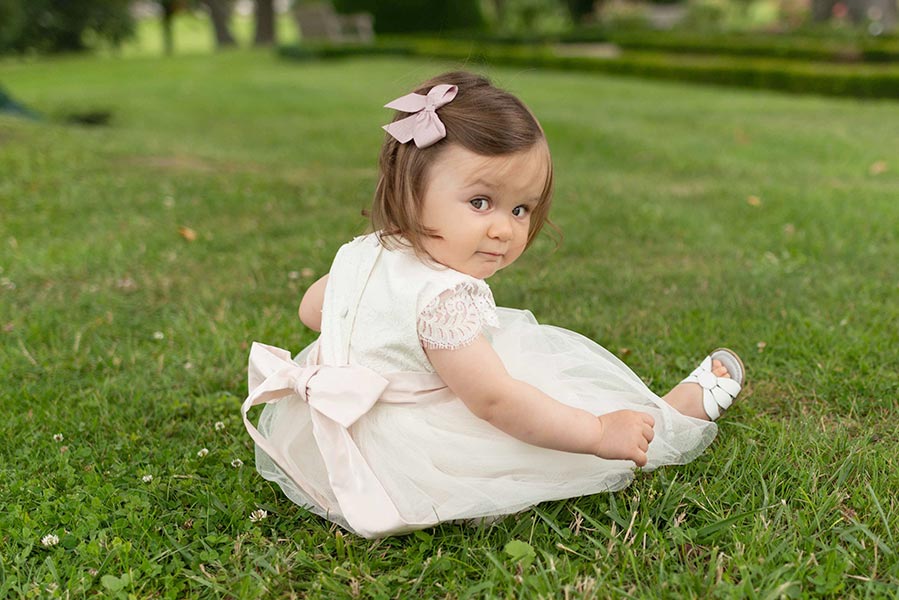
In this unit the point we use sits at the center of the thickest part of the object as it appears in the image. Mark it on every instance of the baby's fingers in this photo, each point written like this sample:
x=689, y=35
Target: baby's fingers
x=647, y=418
x=640, y=459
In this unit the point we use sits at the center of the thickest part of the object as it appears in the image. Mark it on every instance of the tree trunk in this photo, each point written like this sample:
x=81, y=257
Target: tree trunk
x=168, y=40
x=220, y=13
x=169, y=9
x=168, y=43
x=499, y=7
x=857, y=10
x=266, y=34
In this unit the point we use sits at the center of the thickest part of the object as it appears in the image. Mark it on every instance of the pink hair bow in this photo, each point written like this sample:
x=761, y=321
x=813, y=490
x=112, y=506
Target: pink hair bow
x=424, y=127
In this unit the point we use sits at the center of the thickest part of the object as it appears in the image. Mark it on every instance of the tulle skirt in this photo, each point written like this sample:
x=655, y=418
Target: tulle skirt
x=439, y=462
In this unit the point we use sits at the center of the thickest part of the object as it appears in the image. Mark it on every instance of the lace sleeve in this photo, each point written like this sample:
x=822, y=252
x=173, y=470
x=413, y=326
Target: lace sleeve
x=456, y=317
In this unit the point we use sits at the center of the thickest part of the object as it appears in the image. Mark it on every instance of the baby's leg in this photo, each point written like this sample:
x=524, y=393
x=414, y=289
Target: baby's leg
x=687, y=397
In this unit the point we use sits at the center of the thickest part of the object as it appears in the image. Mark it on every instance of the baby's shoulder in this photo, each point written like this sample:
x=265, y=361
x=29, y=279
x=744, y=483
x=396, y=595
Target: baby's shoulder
x=358, y=246
x=401, y=272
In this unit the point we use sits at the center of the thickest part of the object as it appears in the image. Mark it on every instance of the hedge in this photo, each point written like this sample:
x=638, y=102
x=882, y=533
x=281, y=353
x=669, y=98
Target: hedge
x=862, y=49
x=62, y=25
x=792, y=46
x=857, y=80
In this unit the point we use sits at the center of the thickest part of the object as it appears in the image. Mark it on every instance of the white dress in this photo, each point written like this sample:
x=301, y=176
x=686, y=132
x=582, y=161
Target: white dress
x=406, y=453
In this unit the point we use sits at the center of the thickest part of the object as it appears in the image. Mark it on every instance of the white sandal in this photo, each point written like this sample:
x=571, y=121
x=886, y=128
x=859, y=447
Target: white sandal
x=718, y=393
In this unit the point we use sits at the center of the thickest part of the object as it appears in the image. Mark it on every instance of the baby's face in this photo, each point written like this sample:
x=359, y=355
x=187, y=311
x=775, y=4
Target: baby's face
x=480, y=207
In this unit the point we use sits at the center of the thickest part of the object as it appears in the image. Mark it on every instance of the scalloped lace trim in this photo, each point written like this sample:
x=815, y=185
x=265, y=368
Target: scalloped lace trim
x=456, y=317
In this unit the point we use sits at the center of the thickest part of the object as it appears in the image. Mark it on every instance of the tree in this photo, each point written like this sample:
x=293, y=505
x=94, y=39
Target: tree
x=12, y=20
x=61, y=25
x=220, y=13
x=579, y=9
x=266, y=34
x=169, y=9
x=401, y=16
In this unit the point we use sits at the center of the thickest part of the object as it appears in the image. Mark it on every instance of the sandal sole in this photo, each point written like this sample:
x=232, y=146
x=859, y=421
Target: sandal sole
x=731, y=362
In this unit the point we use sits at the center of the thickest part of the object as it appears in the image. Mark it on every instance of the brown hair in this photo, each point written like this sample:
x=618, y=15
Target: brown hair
x=482, y=119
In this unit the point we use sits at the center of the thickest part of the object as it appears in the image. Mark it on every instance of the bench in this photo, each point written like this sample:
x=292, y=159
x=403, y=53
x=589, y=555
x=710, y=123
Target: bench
x=320, y=22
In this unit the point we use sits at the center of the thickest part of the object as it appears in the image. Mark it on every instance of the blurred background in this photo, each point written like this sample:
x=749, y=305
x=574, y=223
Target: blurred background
x=631, y=35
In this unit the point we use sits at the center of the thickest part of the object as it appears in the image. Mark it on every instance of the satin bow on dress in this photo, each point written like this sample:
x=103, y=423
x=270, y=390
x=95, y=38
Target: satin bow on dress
x=337, y=397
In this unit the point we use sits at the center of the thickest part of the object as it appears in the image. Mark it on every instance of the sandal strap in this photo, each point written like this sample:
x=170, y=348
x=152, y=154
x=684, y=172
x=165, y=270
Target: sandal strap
x=718, y=393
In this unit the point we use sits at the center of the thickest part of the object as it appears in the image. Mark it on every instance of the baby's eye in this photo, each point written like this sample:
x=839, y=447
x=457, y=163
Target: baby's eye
x=520, y=211
x=479, y=203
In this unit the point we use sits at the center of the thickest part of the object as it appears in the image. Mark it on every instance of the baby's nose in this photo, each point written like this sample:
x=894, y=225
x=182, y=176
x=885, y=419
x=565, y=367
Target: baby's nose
x=500, y=229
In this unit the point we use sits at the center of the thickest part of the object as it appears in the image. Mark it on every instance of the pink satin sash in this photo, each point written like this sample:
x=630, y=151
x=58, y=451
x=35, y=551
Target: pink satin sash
x=337, y=397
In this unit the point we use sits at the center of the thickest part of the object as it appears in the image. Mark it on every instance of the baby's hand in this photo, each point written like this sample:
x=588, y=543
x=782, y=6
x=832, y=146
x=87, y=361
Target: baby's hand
x=626, y=435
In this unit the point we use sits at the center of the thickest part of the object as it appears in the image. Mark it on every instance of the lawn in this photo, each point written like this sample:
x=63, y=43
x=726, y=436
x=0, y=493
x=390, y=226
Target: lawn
x=139, y=260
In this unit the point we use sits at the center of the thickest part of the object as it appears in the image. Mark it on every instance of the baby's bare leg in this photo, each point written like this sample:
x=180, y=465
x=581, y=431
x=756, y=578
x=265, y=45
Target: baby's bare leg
x=687, y=397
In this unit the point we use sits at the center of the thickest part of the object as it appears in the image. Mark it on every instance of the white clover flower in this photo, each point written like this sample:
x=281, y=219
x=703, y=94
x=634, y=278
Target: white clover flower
x=147, y=478
x=257, y=515
x=188, y=366
x=203, y=452
x=237, y=463
x=58, y=437
x=219, y=425
x=51, y=539
x=126, y=284
x=158, y=335
x=293, y=275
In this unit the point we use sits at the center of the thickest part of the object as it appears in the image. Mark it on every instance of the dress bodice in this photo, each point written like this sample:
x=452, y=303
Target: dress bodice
x=381, y=302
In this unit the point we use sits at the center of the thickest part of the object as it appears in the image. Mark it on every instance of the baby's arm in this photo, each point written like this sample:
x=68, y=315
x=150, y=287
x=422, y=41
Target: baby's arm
x=476, y=374
x=311, y=304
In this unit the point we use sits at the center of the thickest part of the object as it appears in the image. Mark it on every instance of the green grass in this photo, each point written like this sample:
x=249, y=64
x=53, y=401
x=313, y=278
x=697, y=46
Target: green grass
x=131, y=341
